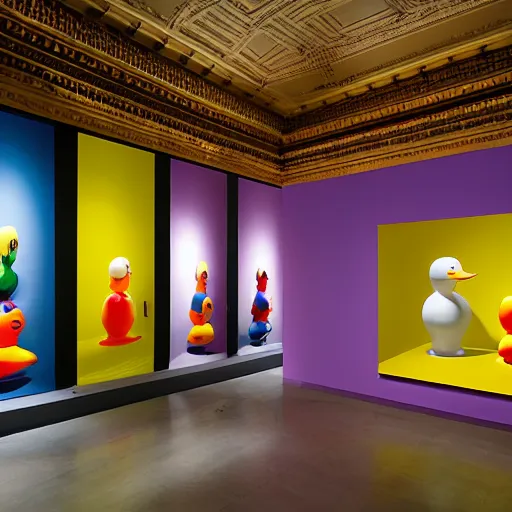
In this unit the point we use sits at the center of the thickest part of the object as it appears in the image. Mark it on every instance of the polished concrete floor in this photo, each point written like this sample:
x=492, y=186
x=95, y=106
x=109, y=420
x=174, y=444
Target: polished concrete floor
x=254, y=445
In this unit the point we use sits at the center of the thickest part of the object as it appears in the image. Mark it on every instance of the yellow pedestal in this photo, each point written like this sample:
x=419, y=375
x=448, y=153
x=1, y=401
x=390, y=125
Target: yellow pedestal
x=478, y=369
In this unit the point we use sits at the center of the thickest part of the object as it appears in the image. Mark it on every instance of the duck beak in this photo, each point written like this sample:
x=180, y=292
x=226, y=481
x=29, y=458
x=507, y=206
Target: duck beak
x=460, y=275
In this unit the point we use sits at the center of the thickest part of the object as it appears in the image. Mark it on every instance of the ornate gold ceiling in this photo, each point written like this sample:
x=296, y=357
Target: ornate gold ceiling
x=109, y=70
x=293, y=55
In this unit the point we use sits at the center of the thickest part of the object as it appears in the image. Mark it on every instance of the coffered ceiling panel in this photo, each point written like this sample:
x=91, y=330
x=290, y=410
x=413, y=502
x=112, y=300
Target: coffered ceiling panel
x=353, y=12
x=295, y=54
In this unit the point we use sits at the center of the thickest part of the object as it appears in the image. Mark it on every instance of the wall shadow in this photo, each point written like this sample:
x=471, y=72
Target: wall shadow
x=478, y=338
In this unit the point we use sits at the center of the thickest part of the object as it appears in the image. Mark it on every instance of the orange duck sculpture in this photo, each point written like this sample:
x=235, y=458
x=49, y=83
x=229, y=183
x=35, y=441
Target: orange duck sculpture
x=118, y=312
x=200, y=314
x=13, y=359
x=505, y=315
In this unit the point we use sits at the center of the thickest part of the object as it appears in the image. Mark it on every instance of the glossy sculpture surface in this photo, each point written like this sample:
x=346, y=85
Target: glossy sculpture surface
x=446, y=314
x=200, y=314
x=118, y=312
x=505, y=315
x=260, y=327
x=13, y=358
x=8, y=252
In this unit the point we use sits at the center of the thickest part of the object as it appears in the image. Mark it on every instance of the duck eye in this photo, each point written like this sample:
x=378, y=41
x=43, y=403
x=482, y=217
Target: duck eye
x=7, y=307
x=453, y=268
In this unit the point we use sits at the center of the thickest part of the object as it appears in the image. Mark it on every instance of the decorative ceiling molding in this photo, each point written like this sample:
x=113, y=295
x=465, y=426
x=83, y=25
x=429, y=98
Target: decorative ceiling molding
x=498, y=26
x=485, y=124
x=296, y=54
x=473, y=75
x=57, y=64
x=304, y=34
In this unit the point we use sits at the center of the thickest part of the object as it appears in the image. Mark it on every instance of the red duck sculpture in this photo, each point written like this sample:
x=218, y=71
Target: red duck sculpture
x=118, y=312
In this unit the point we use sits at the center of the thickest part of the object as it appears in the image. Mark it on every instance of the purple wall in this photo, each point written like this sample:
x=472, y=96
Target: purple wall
x=330, y=274
x=259, y=245
x=198, y=233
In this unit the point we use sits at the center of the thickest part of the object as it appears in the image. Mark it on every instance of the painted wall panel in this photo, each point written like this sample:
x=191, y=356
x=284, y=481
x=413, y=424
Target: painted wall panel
x=405, y=343
x=27, y=204
x=198, y=234
x=259, y=247
x=330, y=234
x=115, y=219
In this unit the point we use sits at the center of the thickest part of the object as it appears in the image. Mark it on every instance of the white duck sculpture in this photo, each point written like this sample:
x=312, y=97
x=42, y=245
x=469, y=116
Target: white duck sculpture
x=446, y=314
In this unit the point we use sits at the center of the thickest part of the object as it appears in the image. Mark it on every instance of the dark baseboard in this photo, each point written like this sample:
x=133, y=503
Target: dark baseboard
x=18, y=415
x=403, y=406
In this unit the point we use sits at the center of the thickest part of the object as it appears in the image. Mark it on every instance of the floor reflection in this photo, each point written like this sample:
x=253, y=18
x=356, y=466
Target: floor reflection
x=254, y=444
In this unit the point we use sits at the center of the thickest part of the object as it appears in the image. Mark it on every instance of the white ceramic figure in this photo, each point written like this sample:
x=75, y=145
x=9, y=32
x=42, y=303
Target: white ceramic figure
x=445, y=313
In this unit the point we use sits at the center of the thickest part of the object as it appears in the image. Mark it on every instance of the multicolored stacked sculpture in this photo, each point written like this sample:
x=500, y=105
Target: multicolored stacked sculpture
x=260, y=327
x=118, y=312
x=505, y=315
x=200, y=314
x=13, y=358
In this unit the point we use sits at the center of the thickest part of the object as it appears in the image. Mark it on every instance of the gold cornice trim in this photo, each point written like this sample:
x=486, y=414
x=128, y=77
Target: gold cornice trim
x=388, y=111
x=463, y=106
x=476, y=74
x=426, y=125
x=406, y=155
x=23, y=93
x=486, y=124
x=74, y=61
x=89, y=36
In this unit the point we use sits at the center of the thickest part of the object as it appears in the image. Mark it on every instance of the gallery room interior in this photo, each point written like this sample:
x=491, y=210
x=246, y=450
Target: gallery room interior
x=255, y=254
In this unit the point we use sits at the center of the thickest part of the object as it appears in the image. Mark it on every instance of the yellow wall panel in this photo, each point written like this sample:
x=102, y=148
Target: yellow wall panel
x=483, y=245
x=115, y=219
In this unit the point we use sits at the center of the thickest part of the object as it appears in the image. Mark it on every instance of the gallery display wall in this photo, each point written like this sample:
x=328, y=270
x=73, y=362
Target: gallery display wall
x=366, y=245
x=116, y=261
x=27, y=257
x=460, y=306
x=198, y=265
x=260, y=273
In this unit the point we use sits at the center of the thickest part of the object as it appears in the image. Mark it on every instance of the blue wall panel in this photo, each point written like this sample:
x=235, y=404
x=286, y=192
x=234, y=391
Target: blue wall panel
x=27, y=203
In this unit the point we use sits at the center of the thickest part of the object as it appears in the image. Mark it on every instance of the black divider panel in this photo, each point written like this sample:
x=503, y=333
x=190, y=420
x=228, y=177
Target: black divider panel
x=66, y=196
x=232, y=263
x=162, y=261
